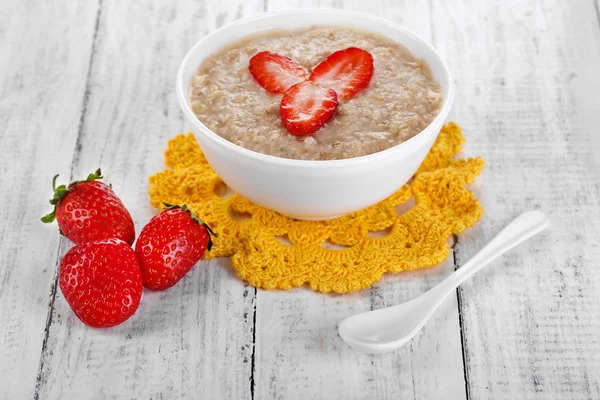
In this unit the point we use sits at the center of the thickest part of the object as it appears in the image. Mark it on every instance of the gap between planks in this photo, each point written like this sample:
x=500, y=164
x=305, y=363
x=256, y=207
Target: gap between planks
x=459, y=300
x=253, y=358
x=62, y=242
x=460, y=320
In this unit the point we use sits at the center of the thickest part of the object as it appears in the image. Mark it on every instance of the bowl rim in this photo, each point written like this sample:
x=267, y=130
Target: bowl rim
x=291, y=162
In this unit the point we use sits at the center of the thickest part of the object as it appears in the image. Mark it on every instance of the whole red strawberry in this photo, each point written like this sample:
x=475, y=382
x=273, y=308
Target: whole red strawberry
x=89, y=210
x=101, y=281
x=169, y=246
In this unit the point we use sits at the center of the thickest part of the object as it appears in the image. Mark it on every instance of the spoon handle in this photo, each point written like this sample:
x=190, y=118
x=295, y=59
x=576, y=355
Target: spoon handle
x=520, y=229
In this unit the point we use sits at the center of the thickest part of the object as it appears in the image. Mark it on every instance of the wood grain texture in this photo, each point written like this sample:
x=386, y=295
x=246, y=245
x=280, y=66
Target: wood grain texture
x=88, y=84
x=44, y=62
x=300, y=355
x=194, y=340
x=527, y=87
x=298, y=351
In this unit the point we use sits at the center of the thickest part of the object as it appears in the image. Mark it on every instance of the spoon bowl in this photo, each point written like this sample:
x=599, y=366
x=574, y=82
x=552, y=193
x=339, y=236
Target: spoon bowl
x=386, y=329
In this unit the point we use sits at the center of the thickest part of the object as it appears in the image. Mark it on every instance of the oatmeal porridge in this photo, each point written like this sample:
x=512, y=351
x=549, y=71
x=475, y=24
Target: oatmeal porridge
x=401, y=98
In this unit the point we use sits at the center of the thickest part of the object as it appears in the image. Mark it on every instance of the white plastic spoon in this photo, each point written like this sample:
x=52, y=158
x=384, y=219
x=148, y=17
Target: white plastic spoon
x=386, y=329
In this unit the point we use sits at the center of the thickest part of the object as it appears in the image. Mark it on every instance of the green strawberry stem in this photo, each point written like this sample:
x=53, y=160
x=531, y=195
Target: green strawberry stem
x=185, y=208
x=60, y=191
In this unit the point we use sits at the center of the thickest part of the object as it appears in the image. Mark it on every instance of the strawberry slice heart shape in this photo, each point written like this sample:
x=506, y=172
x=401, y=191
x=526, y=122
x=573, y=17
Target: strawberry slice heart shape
x=308, y=104
x=345, y=71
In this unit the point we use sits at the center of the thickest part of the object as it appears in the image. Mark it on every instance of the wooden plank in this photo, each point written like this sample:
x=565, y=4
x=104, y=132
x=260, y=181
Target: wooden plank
x=300, y=355
x=44, y=63
x=588, y=111
x=298, y=352
x=194, y=340
x=527, y=84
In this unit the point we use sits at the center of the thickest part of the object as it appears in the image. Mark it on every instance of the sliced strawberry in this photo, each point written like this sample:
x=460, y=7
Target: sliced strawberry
x=274, y=72
x=306, y=107
x=346, y=71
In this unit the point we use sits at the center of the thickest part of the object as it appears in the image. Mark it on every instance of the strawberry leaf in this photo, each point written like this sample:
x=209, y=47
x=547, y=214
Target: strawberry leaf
x=49, y=217
x=91, y=177
x=94, y=175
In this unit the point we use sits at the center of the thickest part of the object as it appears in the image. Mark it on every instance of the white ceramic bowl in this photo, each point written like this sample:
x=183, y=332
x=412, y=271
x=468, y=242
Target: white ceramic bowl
x=313, y=190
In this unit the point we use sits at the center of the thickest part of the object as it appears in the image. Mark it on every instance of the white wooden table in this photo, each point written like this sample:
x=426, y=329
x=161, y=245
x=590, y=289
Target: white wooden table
x=91, y=83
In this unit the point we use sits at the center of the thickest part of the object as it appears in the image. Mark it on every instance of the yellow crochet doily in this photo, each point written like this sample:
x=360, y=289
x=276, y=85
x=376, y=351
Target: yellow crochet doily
x=411, y=240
